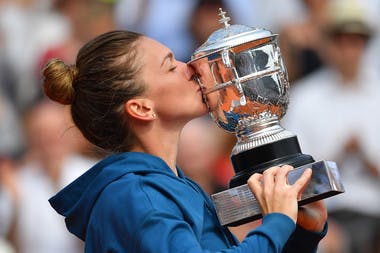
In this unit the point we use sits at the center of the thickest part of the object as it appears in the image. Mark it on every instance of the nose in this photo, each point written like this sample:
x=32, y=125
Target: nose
x=189, y=71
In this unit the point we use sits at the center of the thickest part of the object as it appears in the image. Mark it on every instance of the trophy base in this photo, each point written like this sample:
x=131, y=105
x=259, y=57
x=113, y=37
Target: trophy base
x=238, y=205
x=256, y=160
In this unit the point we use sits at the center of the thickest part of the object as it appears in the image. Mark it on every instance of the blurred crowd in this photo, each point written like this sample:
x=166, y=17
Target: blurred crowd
x=331, y=49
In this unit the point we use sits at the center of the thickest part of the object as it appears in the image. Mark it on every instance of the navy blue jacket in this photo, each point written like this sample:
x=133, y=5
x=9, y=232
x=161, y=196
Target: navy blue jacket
x=133, y=202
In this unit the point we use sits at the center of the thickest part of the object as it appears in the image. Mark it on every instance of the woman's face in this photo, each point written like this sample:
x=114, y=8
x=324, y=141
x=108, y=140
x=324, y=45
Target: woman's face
x=176, y=96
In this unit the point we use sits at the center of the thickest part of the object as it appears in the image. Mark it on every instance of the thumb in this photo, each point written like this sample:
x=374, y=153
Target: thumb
x=302, y=182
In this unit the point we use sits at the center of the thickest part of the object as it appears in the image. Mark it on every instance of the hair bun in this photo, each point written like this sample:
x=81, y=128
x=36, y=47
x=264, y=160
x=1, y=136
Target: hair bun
x=58, y=81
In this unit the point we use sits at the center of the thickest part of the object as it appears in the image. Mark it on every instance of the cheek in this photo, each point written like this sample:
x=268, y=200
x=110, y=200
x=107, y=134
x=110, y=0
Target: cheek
x=331, y=53
x=168, y=100
x=353, y=53
x=159, y=89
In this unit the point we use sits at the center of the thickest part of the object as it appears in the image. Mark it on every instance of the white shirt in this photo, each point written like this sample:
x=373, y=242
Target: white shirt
x=325, y=114
x=40, y=229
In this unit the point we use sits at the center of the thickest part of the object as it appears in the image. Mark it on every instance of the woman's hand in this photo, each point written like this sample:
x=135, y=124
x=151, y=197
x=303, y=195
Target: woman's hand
x=312, y=216
x=274, y=193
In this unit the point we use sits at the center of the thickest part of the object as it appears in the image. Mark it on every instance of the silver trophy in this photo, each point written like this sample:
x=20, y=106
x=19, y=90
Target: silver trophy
x=245, y=86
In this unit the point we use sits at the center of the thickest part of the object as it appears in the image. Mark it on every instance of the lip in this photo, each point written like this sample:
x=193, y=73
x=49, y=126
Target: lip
x=198, y=88
x=196, y=84
x=197, y=81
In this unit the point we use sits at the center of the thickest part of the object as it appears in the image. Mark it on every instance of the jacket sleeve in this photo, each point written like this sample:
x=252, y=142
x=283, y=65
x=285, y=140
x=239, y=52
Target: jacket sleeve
x=304, y=241
x=163, y=232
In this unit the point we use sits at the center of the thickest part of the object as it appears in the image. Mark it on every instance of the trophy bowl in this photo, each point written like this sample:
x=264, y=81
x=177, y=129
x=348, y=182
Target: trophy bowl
x=245, y=86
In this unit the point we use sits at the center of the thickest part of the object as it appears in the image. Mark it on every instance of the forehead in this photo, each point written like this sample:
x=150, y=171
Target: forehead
x=152, y=51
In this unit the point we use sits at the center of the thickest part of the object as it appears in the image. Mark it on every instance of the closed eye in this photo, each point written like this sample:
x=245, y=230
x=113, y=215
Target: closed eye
x=173, y=68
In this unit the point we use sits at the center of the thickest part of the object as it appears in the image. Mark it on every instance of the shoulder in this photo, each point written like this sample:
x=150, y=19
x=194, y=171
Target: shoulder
x=136, y=195
x=132, y=189
x=124, y=205
x=136, y=204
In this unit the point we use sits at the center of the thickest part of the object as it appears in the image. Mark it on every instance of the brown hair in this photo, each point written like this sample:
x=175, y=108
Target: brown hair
x=102, y=80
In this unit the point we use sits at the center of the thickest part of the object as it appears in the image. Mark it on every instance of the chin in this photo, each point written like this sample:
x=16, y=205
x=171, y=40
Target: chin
x=201, y=112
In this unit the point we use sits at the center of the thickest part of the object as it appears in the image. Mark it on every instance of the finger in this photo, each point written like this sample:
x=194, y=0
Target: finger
x=303, y=181
x=269, y=177
x=255, y=184
x=282, y=175
x=299, y=196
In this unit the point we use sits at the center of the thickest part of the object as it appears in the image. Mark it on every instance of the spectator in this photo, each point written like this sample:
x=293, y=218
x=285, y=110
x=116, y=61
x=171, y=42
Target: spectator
x=151, y=18
x=329, y=113
x=299, y=40
x=86, y=19
x=205, y=20
x=26, y=28
x=8, y=193
x=48, y=165
x=11, y=143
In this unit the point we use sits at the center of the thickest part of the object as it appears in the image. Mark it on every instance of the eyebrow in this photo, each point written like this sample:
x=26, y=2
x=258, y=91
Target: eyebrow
x=167, y=57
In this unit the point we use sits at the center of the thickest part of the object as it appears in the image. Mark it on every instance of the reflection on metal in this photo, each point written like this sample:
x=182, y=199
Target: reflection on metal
x=244, y=80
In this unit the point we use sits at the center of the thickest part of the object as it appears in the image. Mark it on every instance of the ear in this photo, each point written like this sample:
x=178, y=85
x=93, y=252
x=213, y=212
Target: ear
x=140, y=108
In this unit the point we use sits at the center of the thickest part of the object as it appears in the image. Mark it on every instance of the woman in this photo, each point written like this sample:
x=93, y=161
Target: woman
x=130, y=96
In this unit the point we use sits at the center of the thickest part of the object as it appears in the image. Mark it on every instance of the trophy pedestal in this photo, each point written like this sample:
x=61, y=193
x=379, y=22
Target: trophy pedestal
x=238, y=205
x=258, y=159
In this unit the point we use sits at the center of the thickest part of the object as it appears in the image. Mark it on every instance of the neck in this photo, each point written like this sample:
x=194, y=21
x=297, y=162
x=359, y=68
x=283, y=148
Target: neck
x=161, y=142
x=349, y=76
x=53, y=168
